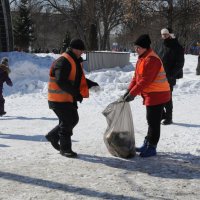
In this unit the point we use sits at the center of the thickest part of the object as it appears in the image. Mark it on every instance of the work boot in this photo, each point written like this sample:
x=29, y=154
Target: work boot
x=167, y=122
x=54, y=141
x=69, y=154
x=143, y=147
x=66, y=146
x=150, y=151
x=2, y=113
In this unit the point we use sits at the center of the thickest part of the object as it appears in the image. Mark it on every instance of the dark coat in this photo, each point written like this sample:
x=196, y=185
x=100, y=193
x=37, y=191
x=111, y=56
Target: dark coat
x=172, y=56
x=61, y=70
x=4, y=77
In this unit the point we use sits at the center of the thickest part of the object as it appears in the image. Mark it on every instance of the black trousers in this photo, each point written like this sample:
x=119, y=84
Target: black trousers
x=68, y=119
x=154, y=116
x=2, y=102
x=168, y=107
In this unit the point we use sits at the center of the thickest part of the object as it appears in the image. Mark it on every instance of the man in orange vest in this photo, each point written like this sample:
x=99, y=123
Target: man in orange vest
x=67, y=85
x=151, y=83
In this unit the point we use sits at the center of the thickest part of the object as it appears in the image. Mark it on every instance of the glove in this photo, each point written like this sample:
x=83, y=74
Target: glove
x=171, y=80
x=79, y=98
x=125, y=94
x=129, y=97
x=95, y=84
x=91, y=83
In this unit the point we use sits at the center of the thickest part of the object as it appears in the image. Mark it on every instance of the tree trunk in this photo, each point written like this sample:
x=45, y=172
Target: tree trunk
x=170, y=14
x=93, y=38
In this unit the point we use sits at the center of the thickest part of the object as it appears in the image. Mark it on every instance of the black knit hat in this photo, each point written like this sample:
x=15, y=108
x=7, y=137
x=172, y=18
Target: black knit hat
x=143, y=41
x=77, y=44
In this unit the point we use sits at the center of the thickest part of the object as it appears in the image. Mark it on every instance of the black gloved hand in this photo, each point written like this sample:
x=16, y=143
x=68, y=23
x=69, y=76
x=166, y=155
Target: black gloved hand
x=91, y=83
x=79, y=98
x=125, y=94
x=129, y=97
x=95, y=84
x=171, y=80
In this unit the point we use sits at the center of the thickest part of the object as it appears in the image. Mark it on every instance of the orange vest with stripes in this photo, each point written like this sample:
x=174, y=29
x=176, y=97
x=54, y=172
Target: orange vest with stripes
x=56, y=94
x=160, y=83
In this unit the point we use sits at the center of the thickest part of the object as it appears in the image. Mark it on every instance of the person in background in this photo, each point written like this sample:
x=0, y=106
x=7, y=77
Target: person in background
x=150, y=82
x=4, y=77
x=172, y=56
x=198, y=65
x=67, y=86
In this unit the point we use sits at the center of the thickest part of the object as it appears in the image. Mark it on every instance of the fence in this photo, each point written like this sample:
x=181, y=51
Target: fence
x=98, y=60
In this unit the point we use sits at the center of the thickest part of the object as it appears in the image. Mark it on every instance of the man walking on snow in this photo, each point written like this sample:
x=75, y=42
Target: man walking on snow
x=67, y=85
x=172, y=56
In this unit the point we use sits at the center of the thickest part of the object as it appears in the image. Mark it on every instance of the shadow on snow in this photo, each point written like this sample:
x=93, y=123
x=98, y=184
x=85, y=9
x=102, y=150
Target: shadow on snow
x=34, y=138
x=187, y=125
x=3, y=145
x=62, y=187
x=26, y=118
x=165, y=165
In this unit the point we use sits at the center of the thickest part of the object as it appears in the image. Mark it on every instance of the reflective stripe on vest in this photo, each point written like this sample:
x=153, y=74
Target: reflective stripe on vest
x=160, y=83
x=56, y=94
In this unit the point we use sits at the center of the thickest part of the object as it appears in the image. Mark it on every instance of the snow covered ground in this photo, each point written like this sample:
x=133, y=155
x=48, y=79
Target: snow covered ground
x=30, y=169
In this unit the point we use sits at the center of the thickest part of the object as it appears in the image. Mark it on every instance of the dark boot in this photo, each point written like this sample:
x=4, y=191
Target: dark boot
x=143, y=147
x=2, y=113
x=66, y=146
x=168, y=119
x=167, y=122
x=150, y=151
x=53, y=138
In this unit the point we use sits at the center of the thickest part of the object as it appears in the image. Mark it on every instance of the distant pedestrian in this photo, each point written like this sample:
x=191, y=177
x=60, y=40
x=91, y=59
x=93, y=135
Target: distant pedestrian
x=198, y=66
x=172, y=56
x=4, y=77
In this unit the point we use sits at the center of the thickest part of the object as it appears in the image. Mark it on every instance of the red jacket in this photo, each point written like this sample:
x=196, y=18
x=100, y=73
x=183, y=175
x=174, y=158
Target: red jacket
x=151, y=69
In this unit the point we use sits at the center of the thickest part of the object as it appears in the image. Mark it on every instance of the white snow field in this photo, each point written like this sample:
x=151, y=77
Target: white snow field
x=30, y=169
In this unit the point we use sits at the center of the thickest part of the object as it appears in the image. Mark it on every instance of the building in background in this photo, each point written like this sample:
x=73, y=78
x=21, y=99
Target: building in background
x=6, y=34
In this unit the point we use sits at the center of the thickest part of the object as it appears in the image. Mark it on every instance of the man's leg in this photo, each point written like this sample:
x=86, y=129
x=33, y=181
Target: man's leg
x=154, y=115
x=68, y=120
x=53, y=137
x=168, y=110
x=2, y=102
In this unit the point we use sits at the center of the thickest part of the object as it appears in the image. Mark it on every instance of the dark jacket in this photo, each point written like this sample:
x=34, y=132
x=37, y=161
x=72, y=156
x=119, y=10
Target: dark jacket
x=4, y=77
x=61, y=71
x=172, y=56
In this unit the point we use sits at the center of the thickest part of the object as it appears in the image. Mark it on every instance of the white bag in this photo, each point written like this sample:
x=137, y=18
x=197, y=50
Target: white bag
x=119, y=136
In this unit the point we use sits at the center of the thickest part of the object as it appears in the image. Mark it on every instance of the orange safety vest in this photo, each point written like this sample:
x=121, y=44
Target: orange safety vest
x=160, y=83
x=56, y=94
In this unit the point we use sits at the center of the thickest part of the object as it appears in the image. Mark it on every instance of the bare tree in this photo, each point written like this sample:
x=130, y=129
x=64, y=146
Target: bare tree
x=89, y=14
